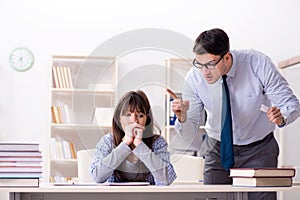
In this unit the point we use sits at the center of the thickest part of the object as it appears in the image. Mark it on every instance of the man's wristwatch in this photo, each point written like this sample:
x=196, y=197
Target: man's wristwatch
x=283, y=122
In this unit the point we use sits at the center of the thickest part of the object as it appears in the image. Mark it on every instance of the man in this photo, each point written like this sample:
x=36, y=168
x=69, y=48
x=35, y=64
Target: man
x=252, y=81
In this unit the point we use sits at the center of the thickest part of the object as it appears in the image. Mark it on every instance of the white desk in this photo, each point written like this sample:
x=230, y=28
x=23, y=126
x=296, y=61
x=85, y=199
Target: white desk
x=195, y=191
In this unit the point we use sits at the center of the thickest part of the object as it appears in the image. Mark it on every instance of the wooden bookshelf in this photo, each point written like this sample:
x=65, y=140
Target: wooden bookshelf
x=289, y=62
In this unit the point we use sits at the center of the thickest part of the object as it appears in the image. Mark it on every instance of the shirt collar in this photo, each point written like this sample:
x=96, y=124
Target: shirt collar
x=232, y=71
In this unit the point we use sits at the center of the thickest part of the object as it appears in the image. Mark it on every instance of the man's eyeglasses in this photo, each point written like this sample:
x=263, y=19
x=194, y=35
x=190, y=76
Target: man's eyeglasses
x=208, y=65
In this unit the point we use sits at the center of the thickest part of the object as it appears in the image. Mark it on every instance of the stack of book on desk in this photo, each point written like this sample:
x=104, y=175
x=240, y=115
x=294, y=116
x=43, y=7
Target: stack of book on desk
x=20, y=165
x=262, y=177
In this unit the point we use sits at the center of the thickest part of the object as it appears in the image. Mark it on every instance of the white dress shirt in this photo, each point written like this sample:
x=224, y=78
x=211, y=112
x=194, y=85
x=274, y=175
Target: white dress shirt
x=253, y=80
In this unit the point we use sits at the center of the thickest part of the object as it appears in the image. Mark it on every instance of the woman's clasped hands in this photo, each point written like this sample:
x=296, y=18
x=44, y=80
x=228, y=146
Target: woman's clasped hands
x=133, y=134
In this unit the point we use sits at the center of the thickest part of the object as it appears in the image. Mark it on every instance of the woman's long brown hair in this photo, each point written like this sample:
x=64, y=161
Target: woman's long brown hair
x=133, y=100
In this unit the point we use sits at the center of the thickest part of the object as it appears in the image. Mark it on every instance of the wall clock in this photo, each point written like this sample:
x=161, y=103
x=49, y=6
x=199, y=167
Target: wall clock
x=21, y=59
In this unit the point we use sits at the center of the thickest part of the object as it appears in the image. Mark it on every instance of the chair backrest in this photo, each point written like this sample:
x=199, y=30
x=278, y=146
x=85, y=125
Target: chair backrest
x=84, y=158
x=187, y=168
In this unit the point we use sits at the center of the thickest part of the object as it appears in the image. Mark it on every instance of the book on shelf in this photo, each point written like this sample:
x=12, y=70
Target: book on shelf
x=61, y=149
x=65, y=114
x=61, y=114
x=262, y=172
x=12, y=146
x=53, y=151
x=65, y=72
x=55, y=78
x=73, y=150
x=62, y=77
x=59, y=76
x=19, y=182
x=55, y=114
x=262, y=181
x=69, y=78
x=66, y=149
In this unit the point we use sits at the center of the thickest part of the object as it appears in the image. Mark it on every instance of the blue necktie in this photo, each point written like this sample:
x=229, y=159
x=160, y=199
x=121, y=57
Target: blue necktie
x=227, y=159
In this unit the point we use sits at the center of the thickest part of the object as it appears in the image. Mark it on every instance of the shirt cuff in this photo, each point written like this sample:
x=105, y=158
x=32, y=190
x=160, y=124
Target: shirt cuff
x=124, y=147
x=283, y=122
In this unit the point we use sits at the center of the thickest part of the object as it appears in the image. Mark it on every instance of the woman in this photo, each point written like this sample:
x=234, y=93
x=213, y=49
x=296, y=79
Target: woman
x=132, y=152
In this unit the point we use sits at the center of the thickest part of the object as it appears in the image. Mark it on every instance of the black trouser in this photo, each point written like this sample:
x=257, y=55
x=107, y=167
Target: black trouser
x=263, y=153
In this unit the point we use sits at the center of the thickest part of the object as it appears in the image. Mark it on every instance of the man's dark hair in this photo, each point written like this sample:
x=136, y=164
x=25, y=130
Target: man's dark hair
x=214, y=41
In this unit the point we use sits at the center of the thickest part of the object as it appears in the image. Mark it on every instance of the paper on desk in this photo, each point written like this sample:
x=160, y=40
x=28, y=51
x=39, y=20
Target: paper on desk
x=104, y=184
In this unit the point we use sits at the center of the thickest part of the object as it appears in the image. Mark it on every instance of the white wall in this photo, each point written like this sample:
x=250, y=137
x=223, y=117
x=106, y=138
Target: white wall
x=78, y=27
